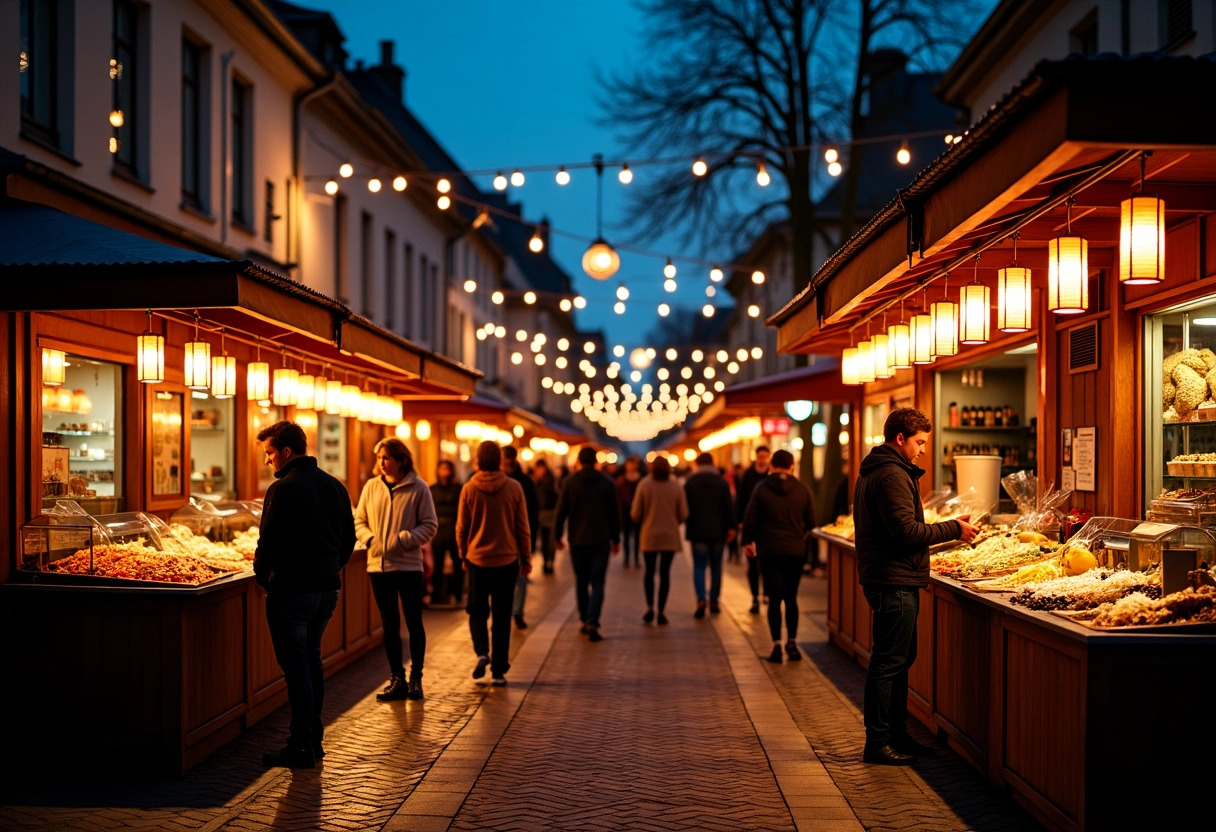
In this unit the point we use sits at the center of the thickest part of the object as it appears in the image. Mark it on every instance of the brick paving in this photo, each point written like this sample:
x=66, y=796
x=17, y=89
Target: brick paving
x=664, y=728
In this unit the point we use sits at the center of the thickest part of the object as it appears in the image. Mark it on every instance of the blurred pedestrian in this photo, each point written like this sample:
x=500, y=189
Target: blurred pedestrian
x=660, y=507
x=733, y=476
x=445, y=492
x=626, y=487
x=395, y=517
x=711, y=524
x=779, y=517
x=752, y=477
x=589, y=503
x=492, y=533
x=512, y=468
x=307, y=536
x=546, y=499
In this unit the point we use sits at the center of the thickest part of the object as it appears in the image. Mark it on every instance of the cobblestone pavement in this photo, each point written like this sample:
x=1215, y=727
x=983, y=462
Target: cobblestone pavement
x=656, y=728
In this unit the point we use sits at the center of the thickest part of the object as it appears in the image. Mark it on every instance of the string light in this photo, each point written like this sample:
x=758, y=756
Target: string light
x=444, y=202
x=669, y=285
x=903, y=155
x=835, y=169
x=622, y=293
x=565, y=304
x=757, y=277
x=500, y=181
x=619, y=307
x=331, y=187
x=530, y=298
x=562, y=177
x=669, y=270
x=470, y=286
x=710, y=291
x=537, y=242
x=716, y=274
x=762, y=177
x=497, y=298
x=625, y=176
x=708, y=310
x=830, y=155
x=374, y=185
x=580, y=302
x=753, y=311
x=664, y=310
x=346, y=170
x=443, y=185
x=400, y=183
x=699, y=168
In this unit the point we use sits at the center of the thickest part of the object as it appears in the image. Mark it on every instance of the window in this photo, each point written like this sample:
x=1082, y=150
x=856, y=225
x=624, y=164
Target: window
x=40, y=71
x=268, y=212
x=365, y=264
x=408, y=284
x=194, y=155
x=125, y=73
x=86, y=413
x=390, y=278
x=242, y=154
x=1083, y=39
x=426, y=307
x=341, y=277
x=1177, y=23
x=436, y=298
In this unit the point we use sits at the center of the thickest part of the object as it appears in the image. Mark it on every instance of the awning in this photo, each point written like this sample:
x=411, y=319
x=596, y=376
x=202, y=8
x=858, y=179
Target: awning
x=1073, y=128
x=55, y=261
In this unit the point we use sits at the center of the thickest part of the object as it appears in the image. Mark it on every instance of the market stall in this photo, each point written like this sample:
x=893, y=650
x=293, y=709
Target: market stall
x=141, y=375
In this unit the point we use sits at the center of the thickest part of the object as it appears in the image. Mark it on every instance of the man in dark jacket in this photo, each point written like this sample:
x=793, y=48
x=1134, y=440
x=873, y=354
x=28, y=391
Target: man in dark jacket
x=546, y=498
x=589, y=501
x=775, y=527
x=752, y=477
x=893, y=541
x=445, y=492
x=511, y=467
x=307, y=536
x=710, y=526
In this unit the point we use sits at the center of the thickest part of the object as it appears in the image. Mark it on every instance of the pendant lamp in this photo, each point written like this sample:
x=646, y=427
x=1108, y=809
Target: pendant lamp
x=944, y=314
x=882, y=355
x=197, y=368
x=306, y=391
x=1142, y=237
x=285, y=382
x=899, y=345
x=920, y=330
x=150, y=355
x=865, y=361
x=257, y=378
x=223, y=373
x=320, y=388
x=351, y=398
x=974, y=304
x=1013, y=296
x=600, y=260
x=1068, y=271
x=54, y=367
x=848, y=365
x=334, y=396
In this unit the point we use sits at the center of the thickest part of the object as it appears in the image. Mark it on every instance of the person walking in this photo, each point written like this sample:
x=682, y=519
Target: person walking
x=445, y=492
x=892, y=541
x=626, y=488
x=753, y=476
x=307, y=536
x=512, y=468
x=659, y=506
x=734, y=550
x=546, y=499
x=778, y=519
x=495, y=543
x=589, y=503
x=395, y=517
x=711, y=525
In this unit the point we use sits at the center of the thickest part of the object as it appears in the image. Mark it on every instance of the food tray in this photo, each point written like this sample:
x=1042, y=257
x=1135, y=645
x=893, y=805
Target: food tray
x=73, y=579
x=1195, y=628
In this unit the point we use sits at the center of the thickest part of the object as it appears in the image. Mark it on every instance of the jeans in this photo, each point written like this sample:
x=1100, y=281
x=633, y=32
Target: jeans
x=894, y=651
x=297, y=621
x=442, y=548
x=491, y=592
x=753, y=576
x=782, y=575
x=387, y=587
x=590, y=569
x=629, y=535
x=664, y=560
x=545, y=533
x=707, y=554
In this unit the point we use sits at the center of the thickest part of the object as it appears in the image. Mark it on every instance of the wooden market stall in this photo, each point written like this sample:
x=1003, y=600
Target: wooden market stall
x=1044, y=707
x=159, y=676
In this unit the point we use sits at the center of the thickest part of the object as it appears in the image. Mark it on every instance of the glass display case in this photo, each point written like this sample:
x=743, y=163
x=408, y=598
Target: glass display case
x=62, y=532
x=212, y=452
x=219, y=522
x=82, y=430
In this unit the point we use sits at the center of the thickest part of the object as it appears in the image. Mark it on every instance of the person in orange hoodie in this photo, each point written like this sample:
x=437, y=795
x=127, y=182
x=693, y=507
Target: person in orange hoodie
x=495, y=544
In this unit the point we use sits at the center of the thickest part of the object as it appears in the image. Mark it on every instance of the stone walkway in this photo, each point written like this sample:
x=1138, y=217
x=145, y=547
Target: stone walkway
x=655, y=728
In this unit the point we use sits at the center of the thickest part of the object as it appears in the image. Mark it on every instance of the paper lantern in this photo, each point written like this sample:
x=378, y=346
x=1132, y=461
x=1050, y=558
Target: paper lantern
x=197, y=367
x=306, y=391
x=257, y=381
x=899, y=347
x=403, y=431
x=223, y=376
x=974, y=320
x=54, y=367
x=1068, y=275
x=1013, y=299
x=285, y=382
x=944, y=315
x=334, y=397
x=422, y=430
x=366, y=406
x=351, y=399
x=882, y=356
x=920, y=333
x=320, y=387
x=865, y=362
x=1142, y=240
x=848, y=366
x=150, y=356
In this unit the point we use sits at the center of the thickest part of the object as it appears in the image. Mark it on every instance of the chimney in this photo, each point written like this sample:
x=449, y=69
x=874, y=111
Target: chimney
x=392, y=75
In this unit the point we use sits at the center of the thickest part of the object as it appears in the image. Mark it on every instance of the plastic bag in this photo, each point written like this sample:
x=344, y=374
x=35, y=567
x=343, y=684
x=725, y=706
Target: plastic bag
x=1039, y=512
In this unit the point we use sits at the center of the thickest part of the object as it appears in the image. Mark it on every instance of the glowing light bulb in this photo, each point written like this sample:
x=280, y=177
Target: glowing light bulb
x=374, y=185
x=517, y=178
x=669, y=270
x=758, y=277
x=331, y=187
x=619, y=350
x=903, y=155
x=716, y=274
x=500, y=331
x=444, y=202
x=537, y=242
x=710, y=291
x=563, y=344
x=497, y=298
x=664, y=310
x=757, y=352
x=669, y=285
x=346, y=170
x=443, y=185
x=697, y=356
x=399, y=183
x=622, y=293
x=500, y=181
x=562, y=177
x=753, y=311
x=835, y=169
x=625, y=176
x=565, y=304
x=521, y=335
x=588, y=347
x=619, y=307
x=117, y=118
x=830, y=155
x=708, y=310
x=517, y=358
x=529, y=297
x=470, y=286
x=699, y=168
x=762, y=177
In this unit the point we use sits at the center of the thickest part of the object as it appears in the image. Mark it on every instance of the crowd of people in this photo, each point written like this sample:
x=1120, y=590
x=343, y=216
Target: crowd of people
x=486, y=530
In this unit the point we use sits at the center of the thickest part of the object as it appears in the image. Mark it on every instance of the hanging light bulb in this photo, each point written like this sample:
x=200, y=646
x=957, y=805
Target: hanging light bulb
x=223, y=373
x=374, y=185
x=500, y=181
x=830, y=155
x=762, y=177
x=346, y=170
x=944, y=314
x=54, y=367
x=699, y=168
x=669, y=285
x=865, y=362
x=470, y=286
x=1142, y=237
x=400, y=183
x=150, y=349
x=257, y=378
x=562, y=177
x=903, y=155
x=497, y=297
x=530, y=297
x=580, y=302
x=619, y=307
x=537, y=242
x=443, y=186
x=565, y=304
x=835, y=169
x=331, y=187
x=708, y=310
x=117, y=119
x=848, y=366
x=716, y=274
x=669, y=270
x=882, y=355
x=444, y=202
x=664, y=310
x=622, y=293
x=758, y=277
x=517, y=178
x=196, y=371
x=334, y=397
x=753, y=311
x=306, y=390
x=974, y=305
x=1013, y=295
x=1068, y=271
x=600, y=260
x=710, y=291
x=625, y=176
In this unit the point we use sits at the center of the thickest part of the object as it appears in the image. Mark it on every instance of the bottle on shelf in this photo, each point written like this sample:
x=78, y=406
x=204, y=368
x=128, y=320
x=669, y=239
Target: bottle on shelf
x=954, y=417
x=999, y=416
x=989, y=417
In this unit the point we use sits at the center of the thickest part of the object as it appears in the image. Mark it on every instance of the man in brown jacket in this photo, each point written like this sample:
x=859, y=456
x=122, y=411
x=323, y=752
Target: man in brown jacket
x=495, y=542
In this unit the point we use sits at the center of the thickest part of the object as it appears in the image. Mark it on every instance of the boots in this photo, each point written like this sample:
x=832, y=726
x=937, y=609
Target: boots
x=415, y=688
x=394, y=691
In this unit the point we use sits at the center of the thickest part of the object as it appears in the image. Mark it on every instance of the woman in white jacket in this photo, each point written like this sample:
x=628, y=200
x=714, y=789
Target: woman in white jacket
x=394, y=518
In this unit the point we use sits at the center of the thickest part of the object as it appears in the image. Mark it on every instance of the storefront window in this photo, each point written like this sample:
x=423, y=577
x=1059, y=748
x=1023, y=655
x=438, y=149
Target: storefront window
x=262, y=416
x=1179, y=359
x=82, y=436
x=211, y=447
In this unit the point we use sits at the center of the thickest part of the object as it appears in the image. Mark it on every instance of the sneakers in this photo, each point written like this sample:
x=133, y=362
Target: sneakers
x=520, y=623
x=395, y=690
x=700, y=613
x=290, y=757
x=480, y=670
x=648, y=617
x=886, y=755
x=499, y=681
x=755, y=608
x=415, y=687
x=776, y=656
x=791, y=650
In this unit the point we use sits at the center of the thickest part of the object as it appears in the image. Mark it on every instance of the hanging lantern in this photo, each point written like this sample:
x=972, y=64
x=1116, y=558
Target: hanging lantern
x=196, y=370
x=150, y=355
x=882, y=356
x=320, y=387
x=223, y=376
x=601, y=261
x=368, y=402
x=1013, y=299
x=899, y=346
x=848, y=366
x=285, y=382
x=334, y=396
x=306, y=392
x=920, y=335
x=351, y=398
x=865, y=362
x=54, y=367
x=944, y=314
x=257, y=378
x=422, y=430
x=974, y=302
x=403, y=431
x=1068, y=272
x=1142, y=240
